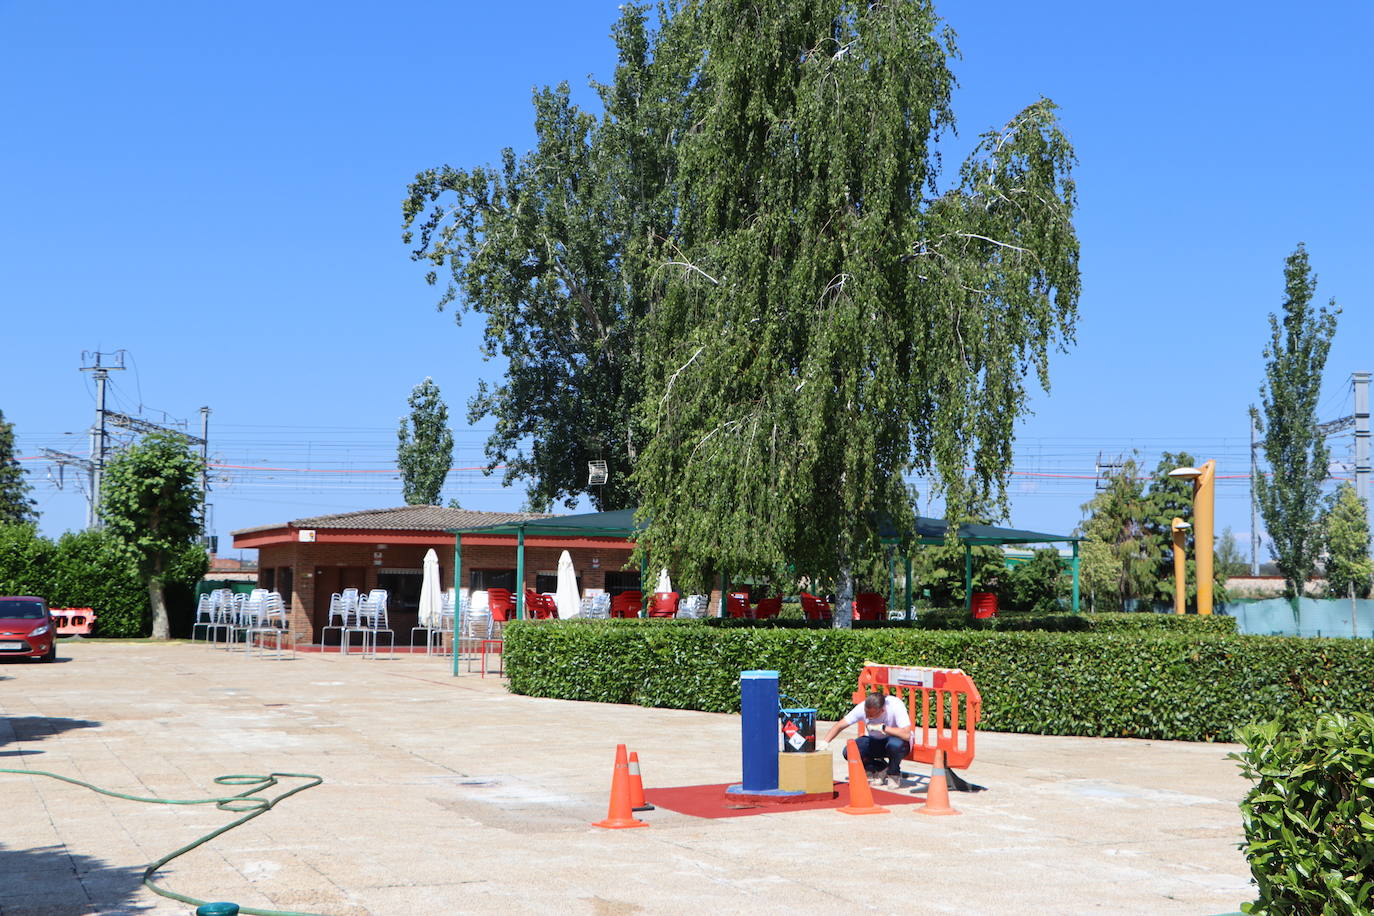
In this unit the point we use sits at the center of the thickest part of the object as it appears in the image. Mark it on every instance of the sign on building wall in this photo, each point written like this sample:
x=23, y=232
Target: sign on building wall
x=306, y=534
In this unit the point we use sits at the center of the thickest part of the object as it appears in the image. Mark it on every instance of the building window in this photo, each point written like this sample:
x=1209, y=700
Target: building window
x=480, y=580
x=548, y=582
x=284, y=583
x=402, y=589
x=267, y=579
x=617, y=582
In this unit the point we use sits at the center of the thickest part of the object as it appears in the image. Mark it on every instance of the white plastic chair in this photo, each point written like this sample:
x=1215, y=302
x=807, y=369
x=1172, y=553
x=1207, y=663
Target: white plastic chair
x=372, y=621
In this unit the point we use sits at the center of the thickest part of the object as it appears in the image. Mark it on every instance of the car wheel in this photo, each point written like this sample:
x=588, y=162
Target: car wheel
x=51, y=655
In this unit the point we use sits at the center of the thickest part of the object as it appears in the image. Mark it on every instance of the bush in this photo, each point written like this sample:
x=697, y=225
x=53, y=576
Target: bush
x=25, y=556
x=1145, y=685
x=87, y=569
x=1309, y=817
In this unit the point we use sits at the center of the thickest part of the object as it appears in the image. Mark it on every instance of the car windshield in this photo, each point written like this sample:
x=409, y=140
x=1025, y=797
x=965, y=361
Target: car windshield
x=21, y=610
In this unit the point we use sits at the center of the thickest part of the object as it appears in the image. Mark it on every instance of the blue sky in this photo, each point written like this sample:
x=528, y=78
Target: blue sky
x=216, y=190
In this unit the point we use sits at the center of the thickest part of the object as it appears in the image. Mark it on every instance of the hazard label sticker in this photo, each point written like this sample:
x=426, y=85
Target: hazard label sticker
x=914, y=677
x=790, y=728
x=796, y=740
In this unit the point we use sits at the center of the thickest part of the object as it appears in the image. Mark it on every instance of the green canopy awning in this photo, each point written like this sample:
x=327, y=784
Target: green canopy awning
x=617, y=524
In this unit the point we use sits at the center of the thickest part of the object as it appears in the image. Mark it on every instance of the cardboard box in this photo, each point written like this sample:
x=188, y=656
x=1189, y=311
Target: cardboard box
x=812, y=773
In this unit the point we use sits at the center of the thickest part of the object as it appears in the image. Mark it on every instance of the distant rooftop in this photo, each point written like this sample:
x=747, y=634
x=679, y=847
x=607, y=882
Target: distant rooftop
x=403, y=518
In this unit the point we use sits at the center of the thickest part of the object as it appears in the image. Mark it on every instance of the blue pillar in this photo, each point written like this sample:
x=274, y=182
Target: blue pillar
x=759, y=743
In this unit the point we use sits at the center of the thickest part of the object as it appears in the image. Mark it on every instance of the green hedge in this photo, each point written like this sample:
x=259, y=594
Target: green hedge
x=1144, y=685
x=87, y=569
x=1309, y=816
x=961, y=620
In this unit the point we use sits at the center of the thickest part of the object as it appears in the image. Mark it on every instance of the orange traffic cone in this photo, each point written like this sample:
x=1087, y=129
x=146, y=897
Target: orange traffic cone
x=637, y=800
x=937, y=790
x=619, y=815
x=860, y=795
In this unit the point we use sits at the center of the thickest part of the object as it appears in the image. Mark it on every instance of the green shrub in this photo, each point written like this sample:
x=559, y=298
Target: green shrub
x=25, y=556
x=1145, y=685
x=1309, y=817
x=87, y=569
x=1201, y=624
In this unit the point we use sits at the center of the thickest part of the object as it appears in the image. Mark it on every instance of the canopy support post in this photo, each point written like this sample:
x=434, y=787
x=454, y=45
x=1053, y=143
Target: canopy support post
x=457, y=596
x=968, y=578
x=1073, y=564
x=520, y=573
x=906, y=561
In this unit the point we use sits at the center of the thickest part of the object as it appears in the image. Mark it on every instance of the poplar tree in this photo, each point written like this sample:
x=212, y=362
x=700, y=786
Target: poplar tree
x=424, y=450
x=1290, y=497
x=828, y=316
x=16, y=508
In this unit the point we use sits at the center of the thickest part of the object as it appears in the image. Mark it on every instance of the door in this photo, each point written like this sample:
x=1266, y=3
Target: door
x=328, y=581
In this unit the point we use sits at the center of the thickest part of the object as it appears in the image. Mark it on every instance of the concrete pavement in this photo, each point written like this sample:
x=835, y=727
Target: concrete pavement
x=446, y=795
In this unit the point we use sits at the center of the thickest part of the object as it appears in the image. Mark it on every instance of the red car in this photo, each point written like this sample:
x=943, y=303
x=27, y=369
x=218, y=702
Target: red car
x=26, y=628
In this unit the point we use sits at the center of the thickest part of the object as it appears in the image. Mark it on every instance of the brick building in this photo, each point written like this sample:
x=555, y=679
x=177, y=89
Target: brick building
x=309, y=559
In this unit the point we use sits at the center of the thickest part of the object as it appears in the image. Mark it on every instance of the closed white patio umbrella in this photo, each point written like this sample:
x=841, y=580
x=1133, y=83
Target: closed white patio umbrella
x=665, y=584
x=431, y=598
x=567, y=597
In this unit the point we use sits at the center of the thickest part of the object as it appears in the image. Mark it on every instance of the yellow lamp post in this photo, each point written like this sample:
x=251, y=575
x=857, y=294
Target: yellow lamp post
x=1180, y=530
x=1204, y=504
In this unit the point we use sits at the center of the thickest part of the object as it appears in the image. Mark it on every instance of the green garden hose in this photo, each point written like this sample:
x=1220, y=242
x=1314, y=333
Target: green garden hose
x=245, y=801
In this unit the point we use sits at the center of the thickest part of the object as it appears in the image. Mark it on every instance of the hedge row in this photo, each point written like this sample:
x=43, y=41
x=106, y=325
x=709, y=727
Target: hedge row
x=1143, y=685
x=87, y=569
x=960, y=620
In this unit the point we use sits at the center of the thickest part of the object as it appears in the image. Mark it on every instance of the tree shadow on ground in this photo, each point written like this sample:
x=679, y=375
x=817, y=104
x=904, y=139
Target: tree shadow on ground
x=36, y=728
x=52, y=881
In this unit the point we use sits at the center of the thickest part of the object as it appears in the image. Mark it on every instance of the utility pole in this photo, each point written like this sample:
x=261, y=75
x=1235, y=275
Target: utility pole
x=1360, y=382
x=91, y=363
x=205, y=475
x=1254, y=507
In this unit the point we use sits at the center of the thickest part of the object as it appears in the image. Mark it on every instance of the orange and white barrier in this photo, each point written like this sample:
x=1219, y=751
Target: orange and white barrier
x=72, y=621
x=944, y=705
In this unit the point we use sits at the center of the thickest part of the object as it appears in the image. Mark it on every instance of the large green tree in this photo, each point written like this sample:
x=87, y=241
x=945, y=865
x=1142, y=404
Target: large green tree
x=424, y=449
x=1346, y=531
x=829, y=316
x=150, y=502
x=15, y=505
x=1290, y=497
x=551, y=248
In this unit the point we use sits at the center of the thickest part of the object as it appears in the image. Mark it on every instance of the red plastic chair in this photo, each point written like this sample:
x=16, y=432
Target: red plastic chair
x=768, y=607
x=664, y=604
x=501, y=603
x=815, y=608
x=870, y=606
x=540, y=607
x=737, y=603
x=627, y=604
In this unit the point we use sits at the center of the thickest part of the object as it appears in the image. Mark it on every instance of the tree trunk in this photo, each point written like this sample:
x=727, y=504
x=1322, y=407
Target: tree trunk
x=158, y=601
x=844, y=598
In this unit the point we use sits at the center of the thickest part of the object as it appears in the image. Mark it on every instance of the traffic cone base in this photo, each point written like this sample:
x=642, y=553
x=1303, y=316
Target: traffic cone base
x=619, y=816
x=937, y=791
x=860, y=793
x=637, y=799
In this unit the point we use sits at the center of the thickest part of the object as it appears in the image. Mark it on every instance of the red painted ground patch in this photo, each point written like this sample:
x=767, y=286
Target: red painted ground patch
x=711, y=801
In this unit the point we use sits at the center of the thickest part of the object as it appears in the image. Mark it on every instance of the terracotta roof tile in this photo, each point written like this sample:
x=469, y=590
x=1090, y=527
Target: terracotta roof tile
x=404, y=518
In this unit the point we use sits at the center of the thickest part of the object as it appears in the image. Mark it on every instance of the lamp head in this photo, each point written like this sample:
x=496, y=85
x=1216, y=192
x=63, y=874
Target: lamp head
x=1180, y=525
x=1185, y=473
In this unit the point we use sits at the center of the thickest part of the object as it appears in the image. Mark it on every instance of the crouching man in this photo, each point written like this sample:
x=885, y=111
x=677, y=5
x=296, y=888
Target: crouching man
x=884, y=736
